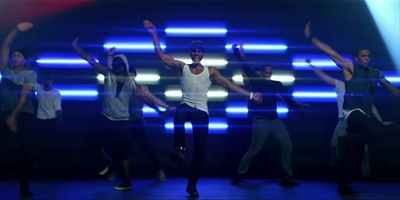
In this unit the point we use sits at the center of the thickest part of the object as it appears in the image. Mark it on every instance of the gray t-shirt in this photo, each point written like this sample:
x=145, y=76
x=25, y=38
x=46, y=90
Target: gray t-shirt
x=116, y=104
x=11, y=87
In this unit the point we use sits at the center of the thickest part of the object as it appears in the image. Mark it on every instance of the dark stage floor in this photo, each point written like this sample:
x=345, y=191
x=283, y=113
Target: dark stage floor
x=209, y=188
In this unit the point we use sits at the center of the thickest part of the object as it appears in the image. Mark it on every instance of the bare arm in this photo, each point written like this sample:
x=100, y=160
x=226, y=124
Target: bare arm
x=392, y=89
x=97, y=66
x=144, y=93
x=214, y=72
x=167, y=59
x=346, y=65
x=325, y=77
x=11, y=119
x=5, y=48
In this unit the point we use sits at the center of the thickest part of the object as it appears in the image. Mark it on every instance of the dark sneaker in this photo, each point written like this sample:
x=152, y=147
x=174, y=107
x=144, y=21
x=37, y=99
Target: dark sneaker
x=193, y=193
x=236, y=180
x=347, y=189
x=161, y=175
x=288, y=182
x=123, y=186
x=24, y=192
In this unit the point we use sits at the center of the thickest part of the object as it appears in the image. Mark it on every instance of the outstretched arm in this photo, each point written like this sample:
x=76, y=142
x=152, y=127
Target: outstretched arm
x=214, y=72
x=97, y=66
x=325, y=77
x=5, y=48
x=392, y=89
x=167, y=59
x=346, y=65
x=143, y=92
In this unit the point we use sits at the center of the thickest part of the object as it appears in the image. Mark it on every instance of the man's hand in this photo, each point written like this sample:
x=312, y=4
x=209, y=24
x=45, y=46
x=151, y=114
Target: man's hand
x=149, y=26
x=11, y=122
x=111, y=51
x=24, y=26
x=307, y=31
x=257, y=97
x=74, y=43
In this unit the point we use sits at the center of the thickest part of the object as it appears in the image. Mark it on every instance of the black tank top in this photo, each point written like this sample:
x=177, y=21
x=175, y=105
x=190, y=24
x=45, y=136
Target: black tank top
x=360, y=89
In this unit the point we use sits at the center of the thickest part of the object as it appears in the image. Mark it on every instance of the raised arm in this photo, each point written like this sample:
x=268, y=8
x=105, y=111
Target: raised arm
x=5, y=48
x=167, y=59
x=214, y=72
x=392, y=89
x=247, y=70
x=96, y=66
x=325, y=77
x=346, y=65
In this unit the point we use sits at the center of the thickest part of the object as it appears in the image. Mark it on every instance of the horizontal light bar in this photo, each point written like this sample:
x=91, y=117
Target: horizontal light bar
x=393, y=79
x=260, y=47
x=61, y=62
x=196, y=31
x=146, y=78
x=245, y=110
x=131, y=46
x=206, y=61
x=323, y=64
x=78, y=92
x=82, y=93
x=140, y=78
x=210, y=94
x=309, y=94
x=286, y=79
x=215, y=126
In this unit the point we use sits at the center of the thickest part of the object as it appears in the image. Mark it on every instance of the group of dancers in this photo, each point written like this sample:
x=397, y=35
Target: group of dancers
x=359, y=122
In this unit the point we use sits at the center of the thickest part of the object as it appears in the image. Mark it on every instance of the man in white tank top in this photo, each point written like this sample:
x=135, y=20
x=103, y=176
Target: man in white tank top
x=195, y=81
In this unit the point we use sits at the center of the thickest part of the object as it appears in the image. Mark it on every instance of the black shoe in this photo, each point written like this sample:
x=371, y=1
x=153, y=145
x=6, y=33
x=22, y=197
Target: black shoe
x=288, y=182
x=123, y=186
x=178, y=157
x=236, y=180
x=347, y=189
x=24, y=191
x=193, y=193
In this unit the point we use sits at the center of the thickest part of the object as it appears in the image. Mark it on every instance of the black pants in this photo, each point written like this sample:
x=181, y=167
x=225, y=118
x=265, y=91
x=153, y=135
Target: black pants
x=24, y=144
x=141, y=136
x=199, y=120
x=362, y=130
x=48, y=141
x=115, y=138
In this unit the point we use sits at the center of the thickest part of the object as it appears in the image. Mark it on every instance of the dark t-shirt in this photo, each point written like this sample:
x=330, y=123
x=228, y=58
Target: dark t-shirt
x=270, y=90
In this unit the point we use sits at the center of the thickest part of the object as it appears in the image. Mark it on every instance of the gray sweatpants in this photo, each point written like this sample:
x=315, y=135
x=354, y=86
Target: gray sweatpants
x=261, y=131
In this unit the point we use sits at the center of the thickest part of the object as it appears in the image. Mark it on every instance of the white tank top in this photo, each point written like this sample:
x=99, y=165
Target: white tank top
x=195, y=88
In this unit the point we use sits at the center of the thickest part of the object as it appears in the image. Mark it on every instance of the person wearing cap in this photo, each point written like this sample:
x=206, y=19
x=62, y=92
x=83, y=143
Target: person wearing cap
x=195, y=82
x=17, y=111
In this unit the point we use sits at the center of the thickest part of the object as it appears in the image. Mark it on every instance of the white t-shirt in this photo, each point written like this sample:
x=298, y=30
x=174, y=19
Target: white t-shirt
x=49, y=102
x=195, y=88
